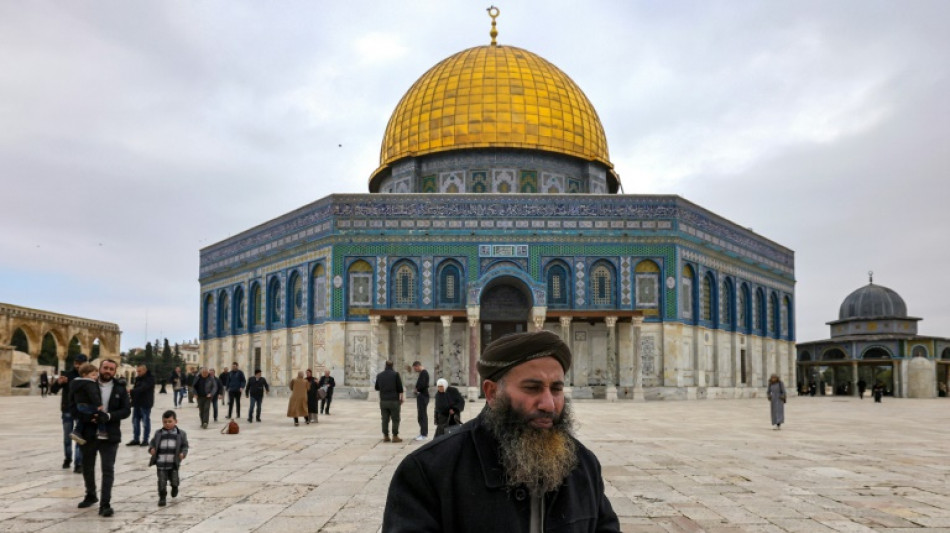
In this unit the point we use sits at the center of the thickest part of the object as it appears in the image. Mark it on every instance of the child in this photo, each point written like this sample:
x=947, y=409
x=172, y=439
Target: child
x=168, y=447
x=87, y=399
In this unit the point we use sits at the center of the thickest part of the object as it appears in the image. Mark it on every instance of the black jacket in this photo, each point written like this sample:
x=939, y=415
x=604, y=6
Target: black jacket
x=450, y=483
x=120, y=407
x=450, y=399
x=65, y=402
x=329, y=383
x=143, y=392
x=256, y=387
x=389, y=385
x=422, y=383
x=206, y=385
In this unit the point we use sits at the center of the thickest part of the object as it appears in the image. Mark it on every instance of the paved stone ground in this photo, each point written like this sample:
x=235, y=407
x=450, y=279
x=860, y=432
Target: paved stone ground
x=838, y=465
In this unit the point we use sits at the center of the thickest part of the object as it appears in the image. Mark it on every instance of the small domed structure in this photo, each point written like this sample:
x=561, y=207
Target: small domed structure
x=873, y=301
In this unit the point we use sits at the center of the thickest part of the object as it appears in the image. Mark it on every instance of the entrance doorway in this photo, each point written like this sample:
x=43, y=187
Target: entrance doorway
x=505, y=309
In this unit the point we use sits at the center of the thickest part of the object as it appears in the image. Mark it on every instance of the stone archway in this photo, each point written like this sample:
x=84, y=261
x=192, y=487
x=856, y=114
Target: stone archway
x=505, y=308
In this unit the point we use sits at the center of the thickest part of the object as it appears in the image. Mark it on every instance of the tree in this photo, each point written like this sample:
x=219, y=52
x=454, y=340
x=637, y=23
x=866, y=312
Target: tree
x=48, y=351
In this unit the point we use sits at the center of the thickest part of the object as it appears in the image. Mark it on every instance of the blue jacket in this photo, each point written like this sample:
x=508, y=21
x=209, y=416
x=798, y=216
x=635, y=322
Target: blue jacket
x=236, y=380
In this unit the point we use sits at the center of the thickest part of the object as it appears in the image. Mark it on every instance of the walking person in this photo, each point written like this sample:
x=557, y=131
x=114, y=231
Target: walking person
x=206, y=392
x=862, y=387
x=190, y=385
x=517, y=467
x=73, y=451
x=177, y=380
x=143, y=398
x=422, y=400
x=116, y=406
x=327, y=383
x=168, y=449
x=448, y=406
x=878, y=392
x=776, y=395
x=313, y=399
x=297, y=405
x=219, y=393
x=389, y=385
x=256, y=387
x=44, y=383
x=236, y=384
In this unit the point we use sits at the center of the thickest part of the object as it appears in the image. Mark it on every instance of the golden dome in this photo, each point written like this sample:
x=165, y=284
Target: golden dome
x=491, y=97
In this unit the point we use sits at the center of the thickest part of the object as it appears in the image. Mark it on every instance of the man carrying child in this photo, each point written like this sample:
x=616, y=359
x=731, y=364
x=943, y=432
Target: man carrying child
x=84, y=391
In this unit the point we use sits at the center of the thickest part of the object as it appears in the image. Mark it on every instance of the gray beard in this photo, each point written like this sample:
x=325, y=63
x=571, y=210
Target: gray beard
x=538, y=459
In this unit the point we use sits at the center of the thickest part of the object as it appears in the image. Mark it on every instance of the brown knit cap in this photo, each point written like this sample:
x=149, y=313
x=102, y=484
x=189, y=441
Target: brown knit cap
x=511, y=350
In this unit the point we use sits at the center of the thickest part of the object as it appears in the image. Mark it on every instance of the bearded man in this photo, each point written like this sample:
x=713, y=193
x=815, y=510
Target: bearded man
x=517, y=466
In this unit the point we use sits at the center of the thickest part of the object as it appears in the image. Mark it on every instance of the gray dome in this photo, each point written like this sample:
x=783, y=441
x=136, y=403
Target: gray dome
x=873, y=301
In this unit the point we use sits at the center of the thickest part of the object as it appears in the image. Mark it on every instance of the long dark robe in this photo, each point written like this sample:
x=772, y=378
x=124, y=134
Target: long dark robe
x=312, y=400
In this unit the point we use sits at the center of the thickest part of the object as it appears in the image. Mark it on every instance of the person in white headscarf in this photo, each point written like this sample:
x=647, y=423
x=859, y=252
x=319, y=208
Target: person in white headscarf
x=448, y=406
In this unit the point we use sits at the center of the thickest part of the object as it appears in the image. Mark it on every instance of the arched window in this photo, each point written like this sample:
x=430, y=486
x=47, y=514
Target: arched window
x=404, y=284
x=239, y=310
x=759, y=312
x=257, y=305
x=774, y=325
x=206, y=313
x=296, y=296
x=726, y=302
x=224, y=314
x=686, y=292
x=558, y=287
x=787, y=318
x=918, y=351
x=706, y=298
x=602, y=285
x=274, y=302
x=318, y=286
x=647, y=279
x=450, y=284
x=360, y=286
x=743, y=314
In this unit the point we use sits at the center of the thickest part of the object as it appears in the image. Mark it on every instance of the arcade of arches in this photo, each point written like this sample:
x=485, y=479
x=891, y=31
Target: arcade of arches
x=51, y=339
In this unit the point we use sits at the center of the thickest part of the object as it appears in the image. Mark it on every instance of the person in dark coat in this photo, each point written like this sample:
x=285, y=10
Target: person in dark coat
x=313, y=402
x=389, y=385
x=143, y=398
x=326, y=383
x=517, y=466
x=116, y=407
x=256, y=387
x=422, y=400
x=66, y=412
x=448, y=406
x=878, y=392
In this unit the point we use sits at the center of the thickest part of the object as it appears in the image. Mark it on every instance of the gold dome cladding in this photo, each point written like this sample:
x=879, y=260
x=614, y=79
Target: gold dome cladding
x=494, y=96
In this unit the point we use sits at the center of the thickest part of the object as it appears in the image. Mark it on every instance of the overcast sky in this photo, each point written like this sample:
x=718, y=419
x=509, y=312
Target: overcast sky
x=132, y=134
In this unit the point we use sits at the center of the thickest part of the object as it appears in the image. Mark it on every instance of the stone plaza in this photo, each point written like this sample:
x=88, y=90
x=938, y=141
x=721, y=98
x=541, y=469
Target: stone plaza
x=839, y=464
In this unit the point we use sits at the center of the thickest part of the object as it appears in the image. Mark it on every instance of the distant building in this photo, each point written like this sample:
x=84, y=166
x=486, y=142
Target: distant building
x=874, y=340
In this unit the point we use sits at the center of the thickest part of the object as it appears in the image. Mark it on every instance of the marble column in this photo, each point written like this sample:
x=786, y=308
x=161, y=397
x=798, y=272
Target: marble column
x=611, y=370
x=474, y=351
x=566, y=337
x=399, y=355
x=373, y=363
x=636, y=328
x=443, y=357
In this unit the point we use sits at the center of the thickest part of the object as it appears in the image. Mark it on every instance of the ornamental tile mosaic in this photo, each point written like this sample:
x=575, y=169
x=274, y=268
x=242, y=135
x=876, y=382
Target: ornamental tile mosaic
x=504, y=180
x=427, y=281
x=625, y=285
x=430, y=184
x=480, y=181
x=452, y=182
x=382, y=268
x=552, y=183
x=528, y=182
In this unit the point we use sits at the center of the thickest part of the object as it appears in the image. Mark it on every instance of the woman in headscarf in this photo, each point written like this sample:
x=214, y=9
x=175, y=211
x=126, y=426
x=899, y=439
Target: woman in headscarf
x=448, y=406
x=312, y=400
x=297, y=406
x=776, y=395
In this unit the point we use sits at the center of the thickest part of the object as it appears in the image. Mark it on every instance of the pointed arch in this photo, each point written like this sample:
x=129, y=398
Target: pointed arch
x=224, y=314
x=295, y=300
x=557, y=278
x=686, y=292
x=239, y=309
x=207, y=310
x=760, y=315
x=275, y=300
x=257, y=306
x=404, y=287
x=360, y=287
x=318, y=292
x=744, y=309
x=449, y=287
x=20, y=341
x=603, y=284
x=727, y=299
